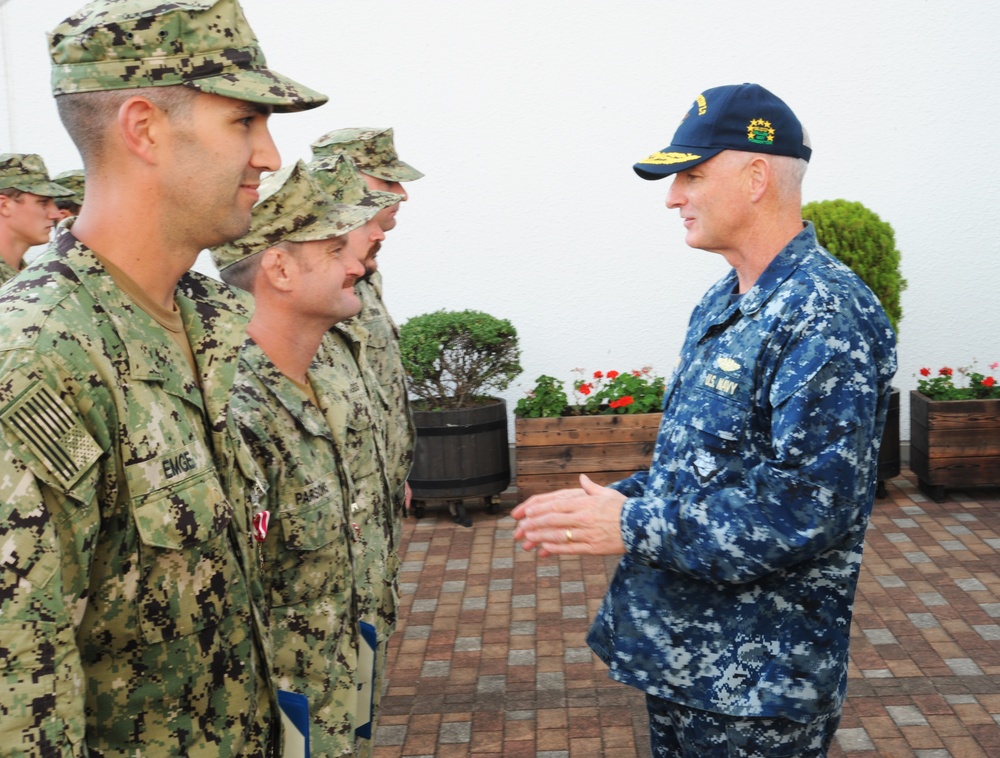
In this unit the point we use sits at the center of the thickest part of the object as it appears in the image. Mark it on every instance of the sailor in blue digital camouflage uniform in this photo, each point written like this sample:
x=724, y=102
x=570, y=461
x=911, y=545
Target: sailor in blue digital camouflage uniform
x=741, y=544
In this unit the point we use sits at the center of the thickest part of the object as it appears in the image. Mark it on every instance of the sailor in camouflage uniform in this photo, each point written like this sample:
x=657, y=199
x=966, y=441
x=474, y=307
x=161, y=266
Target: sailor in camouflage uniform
x=374, y=153
x=731, y=607
x=377, y=550
x=75, y=182
x=299, y=262
x=131, y=618
x=27, y=208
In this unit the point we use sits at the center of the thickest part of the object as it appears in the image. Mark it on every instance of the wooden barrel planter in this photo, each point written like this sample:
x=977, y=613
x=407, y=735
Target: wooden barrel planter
x=889, y=456
x=954, y=443
x=551, y=453
x=460, y=454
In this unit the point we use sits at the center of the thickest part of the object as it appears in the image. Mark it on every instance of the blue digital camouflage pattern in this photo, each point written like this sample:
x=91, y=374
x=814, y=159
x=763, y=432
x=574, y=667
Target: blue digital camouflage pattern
x=378, y=335
x=306, y=558
x=676, y=730
x=744, y=538
x=130, y=601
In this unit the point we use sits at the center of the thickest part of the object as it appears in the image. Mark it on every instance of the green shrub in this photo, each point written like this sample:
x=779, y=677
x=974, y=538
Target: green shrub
x=866, y=243
x=454, y=359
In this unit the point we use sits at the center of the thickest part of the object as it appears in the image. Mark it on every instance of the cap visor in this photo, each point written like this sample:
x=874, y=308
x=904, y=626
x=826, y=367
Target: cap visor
x=44, y=189
x=337, y=219
x=262, y=86
x=673, y=159
x=394, y=172
x=380, y=200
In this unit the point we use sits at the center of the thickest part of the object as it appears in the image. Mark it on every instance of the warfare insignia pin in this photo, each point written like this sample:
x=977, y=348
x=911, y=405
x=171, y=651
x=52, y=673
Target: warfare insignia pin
x=760, y=132
x=728, y=364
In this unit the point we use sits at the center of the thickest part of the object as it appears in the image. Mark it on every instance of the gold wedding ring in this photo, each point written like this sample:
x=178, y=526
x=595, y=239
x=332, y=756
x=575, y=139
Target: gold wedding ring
x=569, y=535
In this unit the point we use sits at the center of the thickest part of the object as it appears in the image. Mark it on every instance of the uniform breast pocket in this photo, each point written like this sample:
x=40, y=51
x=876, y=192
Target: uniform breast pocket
x=188, y=575
x=313, y=557
x=710, y=435
x=719, y=419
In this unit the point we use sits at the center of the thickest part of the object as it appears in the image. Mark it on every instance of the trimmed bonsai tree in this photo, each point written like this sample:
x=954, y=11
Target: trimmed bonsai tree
x=454, y=359
x=858, y=237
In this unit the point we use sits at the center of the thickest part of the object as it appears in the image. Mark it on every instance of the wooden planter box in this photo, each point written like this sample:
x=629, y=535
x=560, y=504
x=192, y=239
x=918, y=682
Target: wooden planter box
x=551, y=453
x=954, y=443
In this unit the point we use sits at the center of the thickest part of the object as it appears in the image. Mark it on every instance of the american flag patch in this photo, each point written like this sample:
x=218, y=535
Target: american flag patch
x=53, y=433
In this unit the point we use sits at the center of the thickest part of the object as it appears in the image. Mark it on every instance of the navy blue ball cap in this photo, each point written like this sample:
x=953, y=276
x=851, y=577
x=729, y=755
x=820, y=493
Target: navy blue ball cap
x=733, y=117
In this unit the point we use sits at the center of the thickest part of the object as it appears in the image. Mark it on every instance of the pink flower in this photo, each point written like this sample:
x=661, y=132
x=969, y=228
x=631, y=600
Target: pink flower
x=995, y=365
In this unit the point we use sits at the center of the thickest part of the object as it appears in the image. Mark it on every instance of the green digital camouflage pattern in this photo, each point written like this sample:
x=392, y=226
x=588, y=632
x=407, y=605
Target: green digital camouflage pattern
x=306, y=555
x=371, y=149
x=74, y=181
x=121, y=44
x=378, y=336
x=130, y=598
x=376, y=554
x=7, y=272
x=26, y=172
x=341, y=179
x=292, y=207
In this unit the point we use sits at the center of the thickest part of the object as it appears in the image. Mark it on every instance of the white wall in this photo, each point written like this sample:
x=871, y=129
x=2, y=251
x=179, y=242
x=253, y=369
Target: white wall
x=527, y=117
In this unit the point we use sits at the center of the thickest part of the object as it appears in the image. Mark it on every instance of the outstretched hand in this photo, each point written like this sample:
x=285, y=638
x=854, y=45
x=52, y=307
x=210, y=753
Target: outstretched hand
x=585, y=521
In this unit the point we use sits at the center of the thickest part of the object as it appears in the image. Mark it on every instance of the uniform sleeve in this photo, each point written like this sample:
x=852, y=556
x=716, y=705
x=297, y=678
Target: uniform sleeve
x=47, y=529
x=801, y=490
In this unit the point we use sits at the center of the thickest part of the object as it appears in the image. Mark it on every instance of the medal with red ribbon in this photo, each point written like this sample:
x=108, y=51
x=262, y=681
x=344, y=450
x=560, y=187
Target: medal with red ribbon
x=260, y=521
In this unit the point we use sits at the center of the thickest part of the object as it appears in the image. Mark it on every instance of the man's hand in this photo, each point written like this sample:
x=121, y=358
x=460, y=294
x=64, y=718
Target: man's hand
x=584, y=521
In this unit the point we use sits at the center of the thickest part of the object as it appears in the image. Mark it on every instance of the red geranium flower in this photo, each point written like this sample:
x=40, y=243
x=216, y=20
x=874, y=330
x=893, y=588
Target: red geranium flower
x=585, y=388
x=925, y=372
x=989, y=381
x=598, y=374
x=612, y=374
x=622, y=401
x=946, y=371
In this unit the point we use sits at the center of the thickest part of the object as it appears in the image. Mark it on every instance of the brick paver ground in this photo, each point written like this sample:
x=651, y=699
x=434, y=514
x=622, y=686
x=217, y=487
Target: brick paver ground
x=490, y=658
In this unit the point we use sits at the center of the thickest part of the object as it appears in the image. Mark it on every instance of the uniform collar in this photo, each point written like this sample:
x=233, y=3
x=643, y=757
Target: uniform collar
x=284, y=391
x=783, y=266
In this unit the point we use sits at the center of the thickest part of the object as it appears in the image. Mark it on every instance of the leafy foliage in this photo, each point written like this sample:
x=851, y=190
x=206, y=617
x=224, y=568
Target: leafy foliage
x=546, y=400
x=453, y=359
x=942, y=387
x=607, y=393
x=858, y=237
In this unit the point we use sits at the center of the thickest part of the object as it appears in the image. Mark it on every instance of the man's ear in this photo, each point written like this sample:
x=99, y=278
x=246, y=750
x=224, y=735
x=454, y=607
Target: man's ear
x=5, y=201
x=280, y=268
x=143, y=128
x=759, y=177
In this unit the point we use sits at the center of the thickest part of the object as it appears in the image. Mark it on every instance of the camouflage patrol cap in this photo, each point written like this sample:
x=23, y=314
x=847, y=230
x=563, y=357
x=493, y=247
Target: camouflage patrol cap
x=74, y=182
x=371, y=149
x=293, y=207
x=26, y=172
x=341, y=179
x=205, y=44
